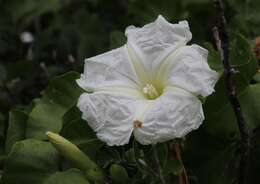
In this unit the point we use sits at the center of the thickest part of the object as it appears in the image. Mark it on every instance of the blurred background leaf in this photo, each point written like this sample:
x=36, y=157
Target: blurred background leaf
x=30, y=161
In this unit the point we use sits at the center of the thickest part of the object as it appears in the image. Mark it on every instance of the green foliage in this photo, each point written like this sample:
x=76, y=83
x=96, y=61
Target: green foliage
x=250, y=101
x=245, y=16
x=214, y=59
x=65, y=32
x=32, y=156
x=61, y=94
x=118, y=174
x=77, y=131
x=80, y=160
x=211, y=159
x=16, y=128
x=29, y=10
x=220, y=119
x=30, y=161
x=67, y=177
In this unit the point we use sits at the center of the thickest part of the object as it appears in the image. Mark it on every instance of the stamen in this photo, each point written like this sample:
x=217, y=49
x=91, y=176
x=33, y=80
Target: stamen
x=150, y=91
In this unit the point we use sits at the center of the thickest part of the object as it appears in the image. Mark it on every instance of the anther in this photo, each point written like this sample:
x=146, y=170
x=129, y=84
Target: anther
x=150, y=91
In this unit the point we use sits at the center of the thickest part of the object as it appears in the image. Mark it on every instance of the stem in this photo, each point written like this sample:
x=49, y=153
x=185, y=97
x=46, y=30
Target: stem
x=222, y=43
x=183, y=178
x=159, y=168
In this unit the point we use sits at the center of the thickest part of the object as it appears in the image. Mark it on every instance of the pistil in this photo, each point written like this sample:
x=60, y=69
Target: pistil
x=150, y=91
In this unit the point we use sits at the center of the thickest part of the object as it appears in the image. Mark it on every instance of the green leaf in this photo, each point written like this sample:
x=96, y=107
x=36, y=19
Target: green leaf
x=243, y=61
x=145, y=170
x=106, y=156
x=250, y=105
x=77, y=131
x=71, y=176
x=30, y=161
x=220, y=120
x=130, y=155
x=16, y=128
x=61, y=94
x=118, y=174
x=210, y=159
x=162, y=152
x=214, y=59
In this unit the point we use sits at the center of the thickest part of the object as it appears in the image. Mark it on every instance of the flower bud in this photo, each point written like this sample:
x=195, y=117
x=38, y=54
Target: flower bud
x=80, y=160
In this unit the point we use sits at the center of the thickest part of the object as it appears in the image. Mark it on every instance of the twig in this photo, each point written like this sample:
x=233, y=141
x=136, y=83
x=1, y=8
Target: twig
x=222, y=42
x=159, y=168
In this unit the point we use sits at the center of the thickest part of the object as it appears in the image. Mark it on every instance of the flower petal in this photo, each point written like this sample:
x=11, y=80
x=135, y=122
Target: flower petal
x=110, y=115
x=174, y=114
x=188, y=69
x=157, y=39
x=110, y=69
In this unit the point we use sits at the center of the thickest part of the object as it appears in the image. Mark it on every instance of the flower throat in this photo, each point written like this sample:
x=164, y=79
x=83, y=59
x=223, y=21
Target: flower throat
x=150, y=91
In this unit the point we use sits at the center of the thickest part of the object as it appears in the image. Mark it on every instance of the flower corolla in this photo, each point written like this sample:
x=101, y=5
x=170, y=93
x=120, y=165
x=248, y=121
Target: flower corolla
x=149, y=87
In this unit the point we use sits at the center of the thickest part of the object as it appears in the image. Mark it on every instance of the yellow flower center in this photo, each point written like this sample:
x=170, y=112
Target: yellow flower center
x=151, y=92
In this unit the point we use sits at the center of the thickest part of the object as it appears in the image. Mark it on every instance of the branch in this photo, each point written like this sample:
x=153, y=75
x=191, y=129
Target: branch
x=222, y=43
x=159, y=168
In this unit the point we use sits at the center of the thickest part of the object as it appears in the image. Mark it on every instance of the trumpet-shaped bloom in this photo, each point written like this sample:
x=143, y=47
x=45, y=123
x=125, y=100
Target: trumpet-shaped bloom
x=149, y=87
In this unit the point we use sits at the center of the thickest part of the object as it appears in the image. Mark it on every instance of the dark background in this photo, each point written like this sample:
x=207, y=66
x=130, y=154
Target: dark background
x=67, y=31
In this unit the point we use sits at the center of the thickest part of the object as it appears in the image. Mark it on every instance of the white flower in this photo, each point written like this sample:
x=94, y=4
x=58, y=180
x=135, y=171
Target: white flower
x=149, y=87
